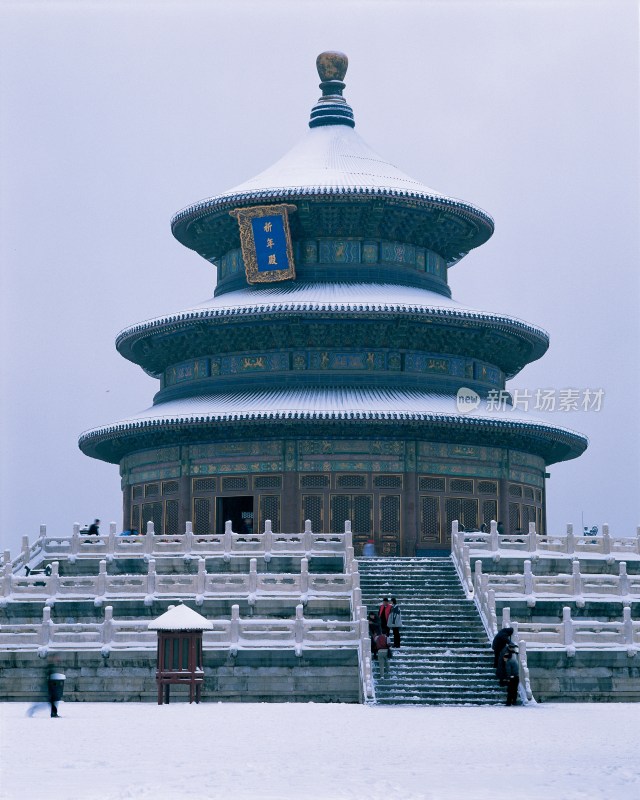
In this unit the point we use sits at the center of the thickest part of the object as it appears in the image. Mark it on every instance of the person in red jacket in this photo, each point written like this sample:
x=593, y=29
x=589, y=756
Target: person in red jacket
x=383, y=613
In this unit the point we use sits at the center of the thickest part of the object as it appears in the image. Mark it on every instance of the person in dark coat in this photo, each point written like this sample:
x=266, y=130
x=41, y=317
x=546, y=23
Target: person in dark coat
x=383, y=613
x=512, y=673
x=94, y=528
x=502, y=638
x=394, y=621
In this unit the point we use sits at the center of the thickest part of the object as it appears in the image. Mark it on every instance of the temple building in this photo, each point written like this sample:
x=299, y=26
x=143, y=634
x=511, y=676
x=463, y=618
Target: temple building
x=326, y=379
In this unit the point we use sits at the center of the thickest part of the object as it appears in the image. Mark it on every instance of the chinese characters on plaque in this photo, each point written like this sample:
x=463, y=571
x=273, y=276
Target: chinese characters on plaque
x=265, y=239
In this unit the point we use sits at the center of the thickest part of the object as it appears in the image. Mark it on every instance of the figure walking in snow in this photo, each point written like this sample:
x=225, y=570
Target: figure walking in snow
x=369, y=550
x=382, y=647
x=383, y=613
x=94, y=528
x=512, y=673
x=502, y=638
x=394, y=621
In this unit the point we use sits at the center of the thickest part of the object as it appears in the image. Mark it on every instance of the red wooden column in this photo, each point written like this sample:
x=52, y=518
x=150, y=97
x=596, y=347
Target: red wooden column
x=180, y=651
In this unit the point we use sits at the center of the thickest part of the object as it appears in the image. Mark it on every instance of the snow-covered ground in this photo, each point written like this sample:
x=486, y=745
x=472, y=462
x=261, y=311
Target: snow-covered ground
x=319, y=752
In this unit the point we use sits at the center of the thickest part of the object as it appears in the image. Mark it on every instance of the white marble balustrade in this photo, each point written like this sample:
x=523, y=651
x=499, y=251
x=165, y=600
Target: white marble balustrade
x=266, y=544
x=572, y=634
x=202, y=583
x=574, y=584
x=233, y=632
x=535, y=543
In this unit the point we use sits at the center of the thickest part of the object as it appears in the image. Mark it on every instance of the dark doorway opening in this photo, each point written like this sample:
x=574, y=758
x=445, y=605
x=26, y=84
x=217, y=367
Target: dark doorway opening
x=239, y=510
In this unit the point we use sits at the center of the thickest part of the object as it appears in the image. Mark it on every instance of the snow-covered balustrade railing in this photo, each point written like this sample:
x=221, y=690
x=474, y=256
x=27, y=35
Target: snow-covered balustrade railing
x=576, y=584
x=230, y=633
x=533, y=542
x=578, y=634
x=83, y=545
x=461, y=559
x=202, y=584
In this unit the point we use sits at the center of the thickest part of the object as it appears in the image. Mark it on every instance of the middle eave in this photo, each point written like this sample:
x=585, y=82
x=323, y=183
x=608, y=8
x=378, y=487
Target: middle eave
x=412, y=317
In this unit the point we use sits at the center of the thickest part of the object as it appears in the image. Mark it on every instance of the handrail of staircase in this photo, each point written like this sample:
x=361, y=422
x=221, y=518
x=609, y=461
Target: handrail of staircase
x=359, y=616
x=461, y=559
x=525, y=683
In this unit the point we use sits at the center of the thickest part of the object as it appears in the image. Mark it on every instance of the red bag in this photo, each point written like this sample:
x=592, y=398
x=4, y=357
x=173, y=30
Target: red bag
x=382, y=642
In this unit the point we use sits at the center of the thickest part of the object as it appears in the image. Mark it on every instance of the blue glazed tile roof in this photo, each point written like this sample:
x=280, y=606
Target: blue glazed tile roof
x=288, y=297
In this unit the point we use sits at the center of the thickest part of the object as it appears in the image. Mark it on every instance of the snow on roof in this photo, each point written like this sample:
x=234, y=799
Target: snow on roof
x=321, y=297
x=328, y=403
x=180, y=618
x=330, y=159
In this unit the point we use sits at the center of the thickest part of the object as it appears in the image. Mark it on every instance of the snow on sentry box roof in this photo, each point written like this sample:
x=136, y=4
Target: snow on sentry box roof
x=180, y=618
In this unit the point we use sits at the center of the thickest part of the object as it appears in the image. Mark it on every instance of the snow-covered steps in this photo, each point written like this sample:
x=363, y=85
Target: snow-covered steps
x=445, y=657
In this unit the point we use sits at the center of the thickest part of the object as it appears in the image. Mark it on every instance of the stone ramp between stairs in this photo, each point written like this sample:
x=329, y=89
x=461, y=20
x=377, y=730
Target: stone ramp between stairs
x=445, y=657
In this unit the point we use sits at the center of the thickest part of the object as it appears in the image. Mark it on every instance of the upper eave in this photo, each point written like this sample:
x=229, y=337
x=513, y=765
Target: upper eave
x=333, y=165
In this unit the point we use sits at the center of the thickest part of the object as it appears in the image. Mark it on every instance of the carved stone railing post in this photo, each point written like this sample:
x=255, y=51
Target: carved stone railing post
x=491, y=608
x=627, y=626
x=357, y=603
x=494, y=539
x=45, y=628
x=638, y=539
x=477, y=575
x=623, y=579
x=150, y=528
x=202, y=576
x=526, y=679
x=149, y=541
x=298, y=625
x=8, y=577
x=576, y=578
x=26, y=550
x=355, y=579
x=307, y=538
x=253, y=575
x=151, y=576
x=454, y=528
x=227, y=540
x=54, y=579
x=506, y=617
x=533, y=538
x=111, y=545
x=6, y=557
x=75, y=540
x=268, y=537
x=348, y=535
x=528, y=578
x=304, y=575
x=107, y=625
x=76, y=528
x=235, y=624
x=349, y=564
x=606, y=539
x=101, y=589
x=570, y=540
x=567, y=626
x=113, y=528
x=188, y=538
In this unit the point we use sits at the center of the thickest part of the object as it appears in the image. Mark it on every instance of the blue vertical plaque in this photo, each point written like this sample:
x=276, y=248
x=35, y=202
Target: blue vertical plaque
x=265, y=239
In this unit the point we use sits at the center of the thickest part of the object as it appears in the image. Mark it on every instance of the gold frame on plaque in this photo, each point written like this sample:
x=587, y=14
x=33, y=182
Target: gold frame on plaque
x=247, y=242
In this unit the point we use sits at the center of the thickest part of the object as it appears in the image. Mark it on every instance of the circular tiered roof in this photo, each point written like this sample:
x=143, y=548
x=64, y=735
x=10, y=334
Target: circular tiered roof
x=332, y=163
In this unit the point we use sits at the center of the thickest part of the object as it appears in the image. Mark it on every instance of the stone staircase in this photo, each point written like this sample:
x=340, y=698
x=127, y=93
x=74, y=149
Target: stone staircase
x=445, y=657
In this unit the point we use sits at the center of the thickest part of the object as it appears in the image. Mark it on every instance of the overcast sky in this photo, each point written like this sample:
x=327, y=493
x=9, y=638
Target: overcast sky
x=116, y=115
